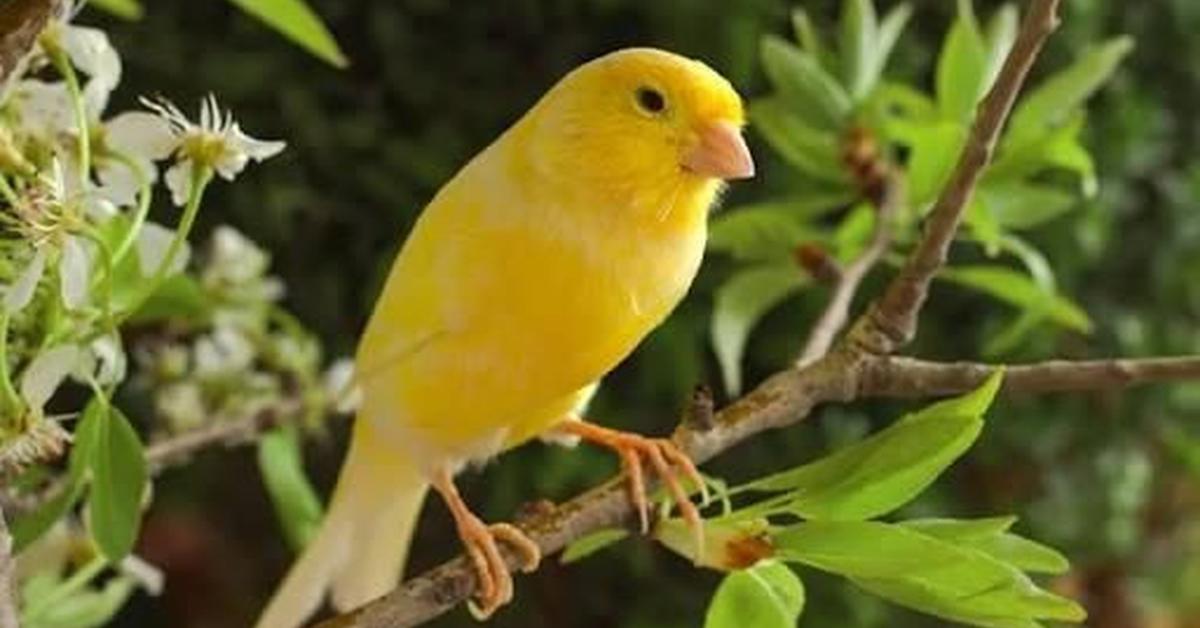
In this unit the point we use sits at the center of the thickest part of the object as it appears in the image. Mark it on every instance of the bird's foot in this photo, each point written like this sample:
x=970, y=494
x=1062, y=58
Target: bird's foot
x=664, y=456
x=481, y=543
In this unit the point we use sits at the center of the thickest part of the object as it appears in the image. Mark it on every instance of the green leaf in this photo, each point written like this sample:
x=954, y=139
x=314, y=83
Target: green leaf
x=740, y=303
x=119, y=478
x=1059, y=148
x=984, y=225
x=991, y=537
x=87, y=608
x=884, y=471
x=1000, y=35
x=854, y=232
x=812, y=151
x=886, y=37
x=31, y=526
x=961, y=65
x=1057, y=98
x=180, y=298
x=767, y=595
x=1019, y=290
x=935, y=151
x=281, y=464
x=804, y=85
x=924, y=572
x=1019, y=206
x=857, y=46
x=127, y=9
x=296, y=21
x=591, y=544
x=772, y=230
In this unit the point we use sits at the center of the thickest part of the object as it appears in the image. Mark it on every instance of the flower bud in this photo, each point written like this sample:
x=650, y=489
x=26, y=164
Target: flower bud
x=726, y=546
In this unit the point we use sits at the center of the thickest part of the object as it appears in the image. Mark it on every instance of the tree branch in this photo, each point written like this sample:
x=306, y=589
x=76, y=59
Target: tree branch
x=21, y=21
x=781, y=400
x=912, y=378
x=837, y=311
x=891, y=322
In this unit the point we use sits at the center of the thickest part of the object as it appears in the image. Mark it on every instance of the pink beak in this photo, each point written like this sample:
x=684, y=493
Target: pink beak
x=721, y=153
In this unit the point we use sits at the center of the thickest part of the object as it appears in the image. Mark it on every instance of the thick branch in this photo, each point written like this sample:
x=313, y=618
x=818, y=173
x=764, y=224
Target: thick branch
x=908, y=377
x=891, y=321
x=837, y=311
x=21, y=21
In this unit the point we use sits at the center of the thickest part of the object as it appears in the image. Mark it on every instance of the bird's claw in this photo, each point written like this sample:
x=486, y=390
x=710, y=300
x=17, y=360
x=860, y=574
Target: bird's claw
x=495, y=580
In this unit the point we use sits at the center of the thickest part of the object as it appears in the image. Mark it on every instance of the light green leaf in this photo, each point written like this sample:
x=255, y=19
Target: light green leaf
x=1058, y=148
x=296, y=21
x=180, y=297
x=884, y=471
x=281, y=463
x=985, y=227
x=119, y=478
x=857, y=46
x=991, y=536
x=854, y=232
x=1000, y=36
x=888, y=34
x=806, y=34
x=804, y=85
x=961, y=65
x=591, y=544
x=935, y=151
x=87, y=608
x=772, y=230
x=127, y=9
x=767, y=595
x=812, y=151
x=924, y=572
x=1056, y=99
x=740, y=303
x=1019, y=290
x=1019, y=206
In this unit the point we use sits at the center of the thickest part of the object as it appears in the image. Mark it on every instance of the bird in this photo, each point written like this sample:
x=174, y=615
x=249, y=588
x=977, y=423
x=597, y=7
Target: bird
x=532, y=273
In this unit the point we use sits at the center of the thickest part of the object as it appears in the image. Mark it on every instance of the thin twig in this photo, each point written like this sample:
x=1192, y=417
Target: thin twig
x=8, y=606
x=912, y=378
x=892, y=320
x=783, y=399
x=178, y=449
x=837, y=311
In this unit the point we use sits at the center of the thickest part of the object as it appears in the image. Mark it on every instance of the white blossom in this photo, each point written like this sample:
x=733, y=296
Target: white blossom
x=45, y=373
x=152, y=244
x=21, y=292
x=344, y=395
x=74, y=272
x=225, y=350
x=216, y=141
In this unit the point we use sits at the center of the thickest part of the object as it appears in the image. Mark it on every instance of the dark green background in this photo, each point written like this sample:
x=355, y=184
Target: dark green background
x=1102, y=476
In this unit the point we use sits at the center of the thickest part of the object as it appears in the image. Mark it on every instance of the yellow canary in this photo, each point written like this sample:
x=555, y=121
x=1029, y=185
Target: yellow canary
x=530, y=275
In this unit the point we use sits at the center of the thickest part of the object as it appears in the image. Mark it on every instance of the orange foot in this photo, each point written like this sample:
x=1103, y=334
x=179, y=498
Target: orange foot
x=666, y=458
x=480, y=541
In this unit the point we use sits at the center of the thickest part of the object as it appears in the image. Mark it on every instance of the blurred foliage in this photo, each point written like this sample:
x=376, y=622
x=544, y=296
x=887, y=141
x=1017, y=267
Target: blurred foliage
x=1111, y=480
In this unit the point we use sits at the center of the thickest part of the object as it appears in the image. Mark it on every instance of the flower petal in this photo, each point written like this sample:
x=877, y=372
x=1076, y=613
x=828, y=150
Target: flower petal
x=112, y=363
x=152, y=244
x=46, y=372
x=179, y=181
x=344, y=395
x=21, y=292
x=91, y=51
x=140, y=133
x=45, y=108
x=256, y=149
x=75, y=272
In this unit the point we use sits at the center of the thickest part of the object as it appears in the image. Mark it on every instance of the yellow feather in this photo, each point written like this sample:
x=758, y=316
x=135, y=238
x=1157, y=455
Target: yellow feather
x=530, y=275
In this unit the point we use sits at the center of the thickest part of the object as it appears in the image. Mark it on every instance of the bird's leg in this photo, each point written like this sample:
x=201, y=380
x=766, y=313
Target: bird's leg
x=668, y=461
x=479, y=539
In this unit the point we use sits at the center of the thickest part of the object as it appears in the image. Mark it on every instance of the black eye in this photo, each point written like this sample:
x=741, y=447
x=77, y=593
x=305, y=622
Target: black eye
x=650, y=100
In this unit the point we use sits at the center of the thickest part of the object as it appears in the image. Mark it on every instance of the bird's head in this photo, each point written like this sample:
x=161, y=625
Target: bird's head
x=640, y=124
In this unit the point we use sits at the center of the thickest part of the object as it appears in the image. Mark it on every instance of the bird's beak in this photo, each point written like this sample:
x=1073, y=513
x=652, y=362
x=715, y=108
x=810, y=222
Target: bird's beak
x=720, y=152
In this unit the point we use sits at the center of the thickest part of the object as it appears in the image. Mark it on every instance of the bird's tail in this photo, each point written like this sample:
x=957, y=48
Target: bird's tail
x=358, y=553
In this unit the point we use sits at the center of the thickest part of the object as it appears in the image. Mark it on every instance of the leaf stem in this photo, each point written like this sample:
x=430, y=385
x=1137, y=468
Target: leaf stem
x=61, y=63
x=142, y=210
x=12, y=402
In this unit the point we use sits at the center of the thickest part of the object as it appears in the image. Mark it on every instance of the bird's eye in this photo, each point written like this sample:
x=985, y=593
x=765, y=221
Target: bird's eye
x=650, y=100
